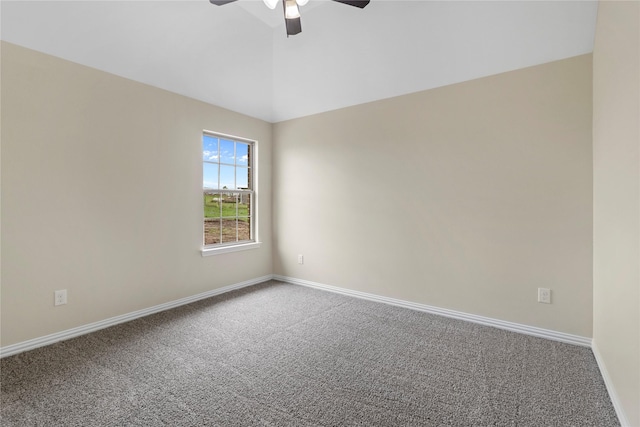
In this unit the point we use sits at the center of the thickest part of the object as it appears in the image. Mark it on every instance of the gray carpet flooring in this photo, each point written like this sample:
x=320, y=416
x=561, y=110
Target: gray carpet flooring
x=276, y=354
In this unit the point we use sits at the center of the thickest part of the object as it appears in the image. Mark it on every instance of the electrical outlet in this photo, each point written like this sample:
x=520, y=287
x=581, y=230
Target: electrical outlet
x=60, y=297
x=544, y=295
x=300, y=259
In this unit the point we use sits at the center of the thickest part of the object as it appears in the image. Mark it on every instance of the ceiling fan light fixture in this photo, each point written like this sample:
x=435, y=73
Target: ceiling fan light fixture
x=271, y=4
x=291, y=10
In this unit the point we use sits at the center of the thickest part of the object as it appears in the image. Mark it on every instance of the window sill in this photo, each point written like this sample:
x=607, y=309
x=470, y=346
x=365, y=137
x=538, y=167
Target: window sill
x=231, y=248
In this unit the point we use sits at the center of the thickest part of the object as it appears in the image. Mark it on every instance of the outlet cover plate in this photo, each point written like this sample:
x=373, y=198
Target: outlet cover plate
x=60, y=297
x=544, y=295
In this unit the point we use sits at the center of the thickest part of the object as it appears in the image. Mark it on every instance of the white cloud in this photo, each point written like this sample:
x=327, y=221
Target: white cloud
x=208, y=155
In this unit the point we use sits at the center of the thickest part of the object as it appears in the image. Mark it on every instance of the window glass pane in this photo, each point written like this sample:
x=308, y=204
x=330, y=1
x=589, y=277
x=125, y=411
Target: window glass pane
x=244, y=228
x=227, y=177
x=242, y=178
x=244, y=217
x=209, y=148
x=211, y=205
x=242, y=154
x=244, y=204
x=211, y=231
x=209, y=176
x=229, y=230
x=229, y=205
x=227, y=152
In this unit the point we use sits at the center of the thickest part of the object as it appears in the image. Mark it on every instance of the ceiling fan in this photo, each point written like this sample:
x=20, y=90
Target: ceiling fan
x=291, y=11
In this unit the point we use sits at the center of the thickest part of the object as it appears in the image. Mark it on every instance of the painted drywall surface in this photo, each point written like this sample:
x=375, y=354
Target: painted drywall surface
x=616, y=204
x=101, y=195
x=467, y=197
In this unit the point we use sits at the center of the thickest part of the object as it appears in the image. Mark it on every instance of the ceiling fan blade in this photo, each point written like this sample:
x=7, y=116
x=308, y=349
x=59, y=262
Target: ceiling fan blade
x=291, y=17
x=221, y=2
x=356, y=3
x=294, y=26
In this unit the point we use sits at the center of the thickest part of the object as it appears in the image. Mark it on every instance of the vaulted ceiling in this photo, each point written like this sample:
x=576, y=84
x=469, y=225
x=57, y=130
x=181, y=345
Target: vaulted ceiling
x=238, y=56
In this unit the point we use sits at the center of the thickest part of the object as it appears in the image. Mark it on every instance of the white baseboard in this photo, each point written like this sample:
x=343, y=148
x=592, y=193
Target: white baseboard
x=92, y=327
x=622, y=417
x=502, y=324
x=85, y=329
x=510, y=326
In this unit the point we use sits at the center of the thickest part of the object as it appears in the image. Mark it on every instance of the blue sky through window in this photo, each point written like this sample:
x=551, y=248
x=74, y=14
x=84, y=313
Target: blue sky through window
x=225, y=163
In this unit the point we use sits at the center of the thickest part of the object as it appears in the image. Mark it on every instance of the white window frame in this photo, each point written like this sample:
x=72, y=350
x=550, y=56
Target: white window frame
x=221, y=248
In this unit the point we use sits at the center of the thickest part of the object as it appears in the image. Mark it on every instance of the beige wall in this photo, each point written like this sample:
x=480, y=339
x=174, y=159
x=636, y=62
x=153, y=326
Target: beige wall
x=101, y=195
x=616, y=204
x=467, y=197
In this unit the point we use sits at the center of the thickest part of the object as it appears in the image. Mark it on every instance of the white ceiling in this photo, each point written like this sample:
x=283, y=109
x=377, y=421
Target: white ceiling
x=237, y=56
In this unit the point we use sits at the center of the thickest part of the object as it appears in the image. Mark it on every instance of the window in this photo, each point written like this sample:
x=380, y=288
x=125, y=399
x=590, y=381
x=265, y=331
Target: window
x=228, y=192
